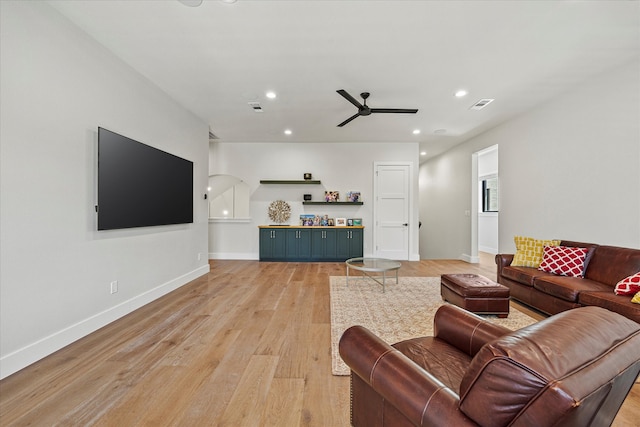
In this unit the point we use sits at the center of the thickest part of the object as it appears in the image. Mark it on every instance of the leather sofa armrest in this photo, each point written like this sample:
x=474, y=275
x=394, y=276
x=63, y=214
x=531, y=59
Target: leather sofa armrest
x=503, y=260
x=418, y=395
x=464, y=330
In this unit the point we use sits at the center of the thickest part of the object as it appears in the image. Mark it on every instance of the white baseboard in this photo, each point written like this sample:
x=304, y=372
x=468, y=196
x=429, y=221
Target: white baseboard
x=492, y=251
x=470, y=259
x=31, y=353
x=234, y=255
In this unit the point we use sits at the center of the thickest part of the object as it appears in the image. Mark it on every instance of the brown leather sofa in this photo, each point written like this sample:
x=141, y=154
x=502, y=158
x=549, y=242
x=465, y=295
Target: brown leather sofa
x=551, y=294
x=573, y=369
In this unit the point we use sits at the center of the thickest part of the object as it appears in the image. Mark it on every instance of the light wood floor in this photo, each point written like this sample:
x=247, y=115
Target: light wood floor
x=246, y=345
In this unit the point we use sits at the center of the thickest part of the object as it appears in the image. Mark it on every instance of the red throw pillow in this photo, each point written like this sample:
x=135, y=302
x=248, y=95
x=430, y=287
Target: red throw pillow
x=564, y=260
x=629, y=285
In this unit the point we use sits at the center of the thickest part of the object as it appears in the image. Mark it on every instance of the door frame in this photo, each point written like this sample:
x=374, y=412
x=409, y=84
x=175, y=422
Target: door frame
x=412, y=251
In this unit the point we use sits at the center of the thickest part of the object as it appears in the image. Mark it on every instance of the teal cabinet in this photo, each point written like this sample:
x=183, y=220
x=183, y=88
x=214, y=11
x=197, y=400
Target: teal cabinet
x=323, y=245
x=349, y=243
x=273, y=244
x=310, y=243
x=298, y=244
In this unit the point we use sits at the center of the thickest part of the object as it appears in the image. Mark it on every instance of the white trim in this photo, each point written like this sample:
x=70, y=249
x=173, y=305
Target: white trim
x=470, y=259
x=33, y=352
x=234, y=255
x=230, y=220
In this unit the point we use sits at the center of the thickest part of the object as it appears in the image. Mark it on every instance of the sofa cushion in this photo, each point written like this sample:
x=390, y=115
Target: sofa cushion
x=606, y=299
x=610, y=264
x=630, y=285
x=567, y=288
x=523, y=275
x=564, y=260
x=529, y=251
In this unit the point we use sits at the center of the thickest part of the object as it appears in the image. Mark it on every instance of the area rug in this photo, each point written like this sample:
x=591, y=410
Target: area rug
x=404, y=311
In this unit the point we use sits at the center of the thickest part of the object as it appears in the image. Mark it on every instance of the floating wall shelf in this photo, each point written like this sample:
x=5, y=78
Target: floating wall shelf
x=281, y=181
x=333, y=203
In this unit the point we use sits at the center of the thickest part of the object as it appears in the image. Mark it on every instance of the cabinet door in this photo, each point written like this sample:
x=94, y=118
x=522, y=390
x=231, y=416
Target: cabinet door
x=279, y=247
x=343, y=244
x=265, y=243
x=273, y=244
x=304, y=244
x=298, y=244
x=323, y=244
x=349, y=243
x=355, y=243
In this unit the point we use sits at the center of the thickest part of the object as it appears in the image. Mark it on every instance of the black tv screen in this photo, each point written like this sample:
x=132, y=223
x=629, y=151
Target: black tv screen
x=140, y=186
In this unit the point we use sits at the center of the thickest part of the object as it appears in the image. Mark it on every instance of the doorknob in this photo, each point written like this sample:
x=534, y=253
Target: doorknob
x=405, y=224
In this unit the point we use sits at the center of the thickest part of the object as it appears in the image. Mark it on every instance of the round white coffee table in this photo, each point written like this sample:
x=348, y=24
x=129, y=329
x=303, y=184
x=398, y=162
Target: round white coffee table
x=373, y=265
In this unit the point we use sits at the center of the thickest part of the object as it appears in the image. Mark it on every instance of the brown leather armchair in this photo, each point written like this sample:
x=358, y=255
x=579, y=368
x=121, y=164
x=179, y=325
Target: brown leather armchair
x=571, y=369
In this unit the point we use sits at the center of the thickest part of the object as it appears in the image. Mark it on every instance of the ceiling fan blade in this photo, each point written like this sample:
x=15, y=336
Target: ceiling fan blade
x=350, y=98
x=395, y=110
x=348, y=120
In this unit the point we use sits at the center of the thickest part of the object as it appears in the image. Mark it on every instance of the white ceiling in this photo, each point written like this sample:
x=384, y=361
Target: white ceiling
x=217, y=57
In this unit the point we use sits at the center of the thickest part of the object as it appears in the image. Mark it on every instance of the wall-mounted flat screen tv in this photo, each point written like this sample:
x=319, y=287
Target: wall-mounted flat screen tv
x=140, y=186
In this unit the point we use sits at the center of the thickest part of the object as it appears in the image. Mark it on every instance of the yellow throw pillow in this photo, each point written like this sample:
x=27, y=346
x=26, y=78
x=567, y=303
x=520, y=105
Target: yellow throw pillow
x=636, y=298
x=529, y=251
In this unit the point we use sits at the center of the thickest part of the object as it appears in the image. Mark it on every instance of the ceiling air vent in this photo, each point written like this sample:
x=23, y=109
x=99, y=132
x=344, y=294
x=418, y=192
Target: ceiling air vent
x=256, y=107
x=481, y=104
x=212, y=135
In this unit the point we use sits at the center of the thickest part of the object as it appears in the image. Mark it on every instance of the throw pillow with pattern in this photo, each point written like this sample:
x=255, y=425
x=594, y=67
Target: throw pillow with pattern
x=629, y=285
x=529, y=251
x=564, y=260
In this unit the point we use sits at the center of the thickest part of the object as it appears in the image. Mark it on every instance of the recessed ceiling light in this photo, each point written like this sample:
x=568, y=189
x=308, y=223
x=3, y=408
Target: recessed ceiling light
x=287, y=132
x=416, y=131
x=271, y=95
x=440, y=131
x=423, y=153
x=191, y=3
x=461, y=93
x=228, y=1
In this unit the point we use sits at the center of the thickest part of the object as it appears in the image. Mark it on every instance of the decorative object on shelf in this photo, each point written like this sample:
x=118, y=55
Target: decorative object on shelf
x=357, y=221
x=307, y=176
x=307, y=197
x=289, y=181
x=353, y=196
x=349, y=222
x=331, y=196
x=306, y=219
x=279, y=211
x=341, y=222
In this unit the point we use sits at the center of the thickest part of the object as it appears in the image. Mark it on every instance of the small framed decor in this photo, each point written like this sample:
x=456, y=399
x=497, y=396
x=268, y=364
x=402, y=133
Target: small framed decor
x=331, y=196
x=331, y=222
x=349, y=222
x=357, y=221
x=307, y=197
x=353, y=196
x=341, y=222
x=307, y=176
x=306, y=219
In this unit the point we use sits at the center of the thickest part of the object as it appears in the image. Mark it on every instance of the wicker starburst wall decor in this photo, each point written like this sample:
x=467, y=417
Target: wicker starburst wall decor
x=279, y=211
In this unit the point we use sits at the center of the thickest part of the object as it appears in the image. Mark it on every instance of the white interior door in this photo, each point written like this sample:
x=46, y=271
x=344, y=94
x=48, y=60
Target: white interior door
x=391, y=210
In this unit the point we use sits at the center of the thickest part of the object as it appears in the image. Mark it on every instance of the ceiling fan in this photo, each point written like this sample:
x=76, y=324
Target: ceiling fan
x=364, y=110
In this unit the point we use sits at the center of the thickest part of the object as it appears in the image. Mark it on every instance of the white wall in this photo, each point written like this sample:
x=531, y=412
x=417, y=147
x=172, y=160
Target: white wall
x=58, y=86
x=340, y=166
x=568, y=169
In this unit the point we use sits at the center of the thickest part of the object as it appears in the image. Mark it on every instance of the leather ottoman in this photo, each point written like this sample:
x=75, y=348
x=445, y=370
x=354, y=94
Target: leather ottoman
x=475, y=293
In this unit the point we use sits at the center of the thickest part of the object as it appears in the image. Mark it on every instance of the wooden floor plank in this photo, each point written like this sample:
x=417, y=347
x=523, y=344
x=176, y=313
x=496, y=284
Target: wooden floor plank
x=247, y=344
